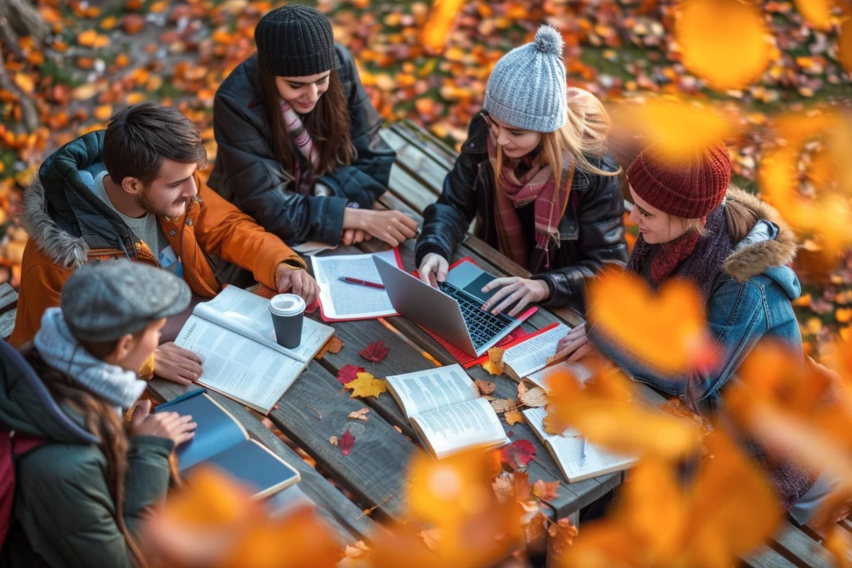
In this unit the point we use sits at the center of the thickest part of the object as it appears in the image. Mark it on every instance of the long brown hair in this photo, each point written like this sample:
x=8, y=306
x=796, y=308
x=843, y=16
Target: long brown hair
x=101, y=420
x=327, y=124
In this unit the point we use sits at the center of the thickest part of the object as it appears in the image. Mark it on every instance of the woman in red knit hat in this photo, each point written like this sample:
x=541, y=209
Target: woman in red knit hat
x=736, y=249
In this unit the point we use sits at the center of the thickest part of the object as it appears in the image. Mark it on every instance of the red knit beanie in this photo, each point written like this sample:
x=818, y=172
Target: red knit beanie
x=688, y=187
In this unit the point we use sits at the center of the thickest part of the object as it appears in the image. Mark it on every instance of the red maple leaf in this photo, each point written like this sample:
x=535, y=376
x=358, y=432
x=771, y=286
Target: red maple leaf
x=376, y=351
x=347, y=440
x=517, y=454
x=349, y=373
x=546, y=491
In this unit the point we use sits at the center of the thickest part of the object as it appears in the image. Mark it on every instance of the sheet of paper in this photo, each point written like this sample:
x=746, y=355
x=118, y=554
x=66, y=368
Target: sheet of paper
x=466, y=425
x=238, y=367
x=248, y=314
x=342, y=301
x=542, y=377
x=597, y=461
x=423, y=391
x=531, y=355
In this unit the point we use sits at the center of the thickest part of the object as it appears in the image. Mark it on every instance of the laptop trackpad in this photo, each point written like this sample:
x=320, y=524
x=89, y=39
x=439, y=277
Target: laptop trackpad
x=475, y=287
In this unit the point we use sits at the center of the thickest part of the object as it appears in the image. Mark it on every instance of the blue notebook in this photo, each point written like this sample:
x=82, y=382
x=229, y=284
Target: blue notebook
x=221, y=441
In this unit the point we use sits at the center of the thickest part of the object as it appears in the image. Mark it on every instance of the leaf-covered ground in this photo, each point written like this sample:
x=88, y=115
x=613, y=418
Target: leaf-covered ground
x=96, y=58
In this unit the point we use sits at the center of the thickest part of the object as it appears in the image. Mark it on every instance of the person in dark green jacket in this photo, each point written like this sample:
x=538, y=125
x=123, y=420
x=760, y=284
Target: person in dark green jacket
x=81, y=495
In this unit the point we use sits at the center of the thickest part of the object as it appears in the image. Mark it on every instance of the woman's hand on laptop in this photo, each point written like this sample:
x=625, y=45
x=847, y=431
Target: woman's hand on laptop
x=433, y=269
x=521, y=290
x=296, y=281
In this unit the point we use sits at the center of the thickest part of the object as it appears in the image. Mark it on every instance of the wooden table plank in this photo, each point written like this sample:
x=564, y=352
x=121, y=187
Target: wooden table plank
x=8, y=297
x=335, y=508
x=414, y=162
x=765, y=557
x=375, y=469
x=795, y=544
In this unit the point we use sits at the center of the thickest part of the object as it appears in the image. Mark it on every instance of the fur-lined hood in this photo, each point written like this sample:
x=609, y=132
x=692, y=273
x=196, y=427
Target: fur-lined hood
x=63, y=215
x=770, y=244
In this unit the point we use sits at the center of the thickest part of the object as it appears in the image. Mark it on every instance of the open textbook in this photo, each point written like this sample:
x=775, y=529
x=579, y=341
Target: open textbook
x=567, y=450
x=445, y=409
x=340, y=301
x=234, y=335
x=528, y=360
x=221, y=441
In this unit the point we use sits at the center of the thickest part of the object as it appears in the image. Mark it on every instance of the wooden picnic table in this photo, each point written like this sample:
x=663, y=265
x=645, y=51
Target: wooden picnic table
x=373, y=473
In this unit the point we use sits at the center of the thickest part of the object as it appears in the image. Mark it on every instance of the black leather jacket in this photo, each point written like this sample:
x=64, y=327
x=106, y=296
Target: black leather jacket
x=591, y=231
x=248, y=174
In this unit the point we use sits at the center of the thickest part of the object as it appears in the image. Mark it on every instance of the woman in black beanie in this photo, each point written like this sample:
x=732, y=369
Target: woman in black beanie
x=298, y=138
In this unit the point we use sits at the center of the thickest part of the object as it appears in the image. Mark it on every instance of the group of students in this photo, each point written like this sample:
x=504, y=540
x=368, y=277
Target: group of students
x=300, y=159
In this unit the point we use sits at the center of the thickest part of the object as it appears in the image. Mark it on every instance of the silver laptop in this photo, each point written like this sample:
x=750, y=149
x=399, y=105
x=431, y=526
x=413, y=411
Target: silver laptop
x=453, y=310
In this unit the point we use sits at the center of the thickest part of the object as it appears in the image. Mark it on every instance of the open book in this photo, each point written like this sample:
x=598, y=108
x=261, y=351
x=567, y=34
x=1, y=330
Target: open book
x=340, y=301
x=445, y=409
x=567, y=450
x=528, y=360
x=221, y=441
x=234, y=335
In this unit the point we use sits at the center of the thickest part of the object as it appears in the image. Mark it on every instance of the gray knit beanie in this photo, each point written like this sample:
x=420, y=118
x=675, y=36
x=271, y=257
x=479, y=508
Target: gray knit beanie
x=527, y=88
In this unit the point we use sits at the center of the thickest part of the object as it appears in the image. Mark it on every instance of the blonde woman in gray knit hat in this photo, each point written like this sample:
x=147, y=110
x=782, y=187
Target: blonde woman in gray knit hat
x=536, y=175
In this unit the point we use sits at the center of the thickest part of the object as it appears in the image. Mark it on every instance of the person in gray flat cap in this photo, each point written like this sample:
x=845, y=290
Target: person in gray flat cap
x=537, y=176
x=89, y=478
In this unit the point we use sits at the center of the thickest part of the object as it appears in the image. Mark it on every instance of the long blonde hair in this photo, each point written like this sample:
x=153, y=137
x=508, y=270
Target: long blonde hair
x=584, y=134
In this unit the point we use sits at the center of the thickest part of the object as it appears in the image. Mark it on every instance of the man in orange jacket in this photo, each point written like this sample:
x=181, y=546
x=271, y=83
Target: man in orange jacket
x=132, y=191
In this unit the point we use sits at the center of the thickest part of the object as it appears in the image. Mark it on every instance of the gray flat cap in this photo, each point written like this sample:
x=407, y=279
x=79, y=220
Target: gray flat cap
x=104, y=300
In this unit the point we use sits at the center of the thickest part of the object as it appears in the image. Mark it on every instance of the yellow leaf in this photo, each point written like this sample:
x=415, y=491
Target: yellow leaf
x=494, y=365
x=723, y=41
x=816, y=12
x=674, y=336
x=366, y=385
x=504, y=404
x=87, y=38
x=134, y=98
x=103, y=112
x=534, y=397
x=25, y=83
x=513, y=417
x=441, y=18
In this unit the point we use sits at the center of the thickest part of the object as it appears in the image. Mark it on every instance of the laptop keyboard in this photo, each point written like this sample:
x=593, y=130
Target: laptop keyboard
x=481, y=325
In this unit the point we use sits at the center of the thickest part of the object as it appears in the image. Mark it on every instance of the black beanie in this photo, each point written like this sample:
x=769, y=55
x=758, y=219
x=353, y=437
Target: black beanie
x=295, y=41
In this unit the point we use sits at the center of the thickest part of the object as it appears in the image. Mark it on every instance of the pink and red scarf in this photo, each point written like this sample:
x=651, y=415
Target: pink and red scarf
x=302, y=140
x=521, y=182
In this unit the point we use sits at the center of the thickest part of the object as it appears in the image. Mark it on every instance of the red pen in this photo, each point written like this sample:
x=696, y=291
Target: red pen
x=361, y=282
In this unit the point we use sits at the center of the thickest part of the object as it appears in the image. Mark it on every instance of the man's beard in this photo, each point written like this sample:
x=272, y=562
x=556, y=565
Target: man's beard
x=146, y=203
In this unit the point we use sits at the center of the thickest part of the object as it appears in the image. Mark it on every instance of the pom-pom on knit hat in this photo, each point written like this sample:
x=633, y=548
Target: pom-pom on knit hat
x=527, y=87
x=688, y=186
x=295, y=41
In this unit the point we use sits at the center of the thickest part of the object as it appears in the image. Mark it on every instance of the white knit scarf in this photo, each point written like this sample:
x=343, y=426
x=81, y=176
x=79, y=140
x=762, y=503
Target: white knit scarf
x=59, y=349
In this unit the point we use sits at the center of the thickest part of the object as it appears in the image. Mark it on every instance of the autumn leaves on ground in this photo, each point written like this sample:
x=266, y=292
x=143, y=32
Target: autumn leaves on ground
x=769, y=77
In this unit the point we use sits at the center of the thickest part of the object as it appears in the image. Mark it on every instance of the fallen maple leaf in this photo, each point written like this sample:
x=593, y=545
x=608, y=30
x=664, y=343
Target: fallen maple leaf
x=357, y=550
x=494, y=364
x=536, y=527
x=513, y=417
x=485, y=387
x=348, y=373
x=517, y=454
x=431, y=537
x=523, y=489
x=366, y=385
x=546, y=491
x=504, y=404
x=333, y=346
x=333, y=441
x=376, y=351
x=360, y=414
x=346, y=442
x=534, y=397
x=562, y=534
x=504, y=487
